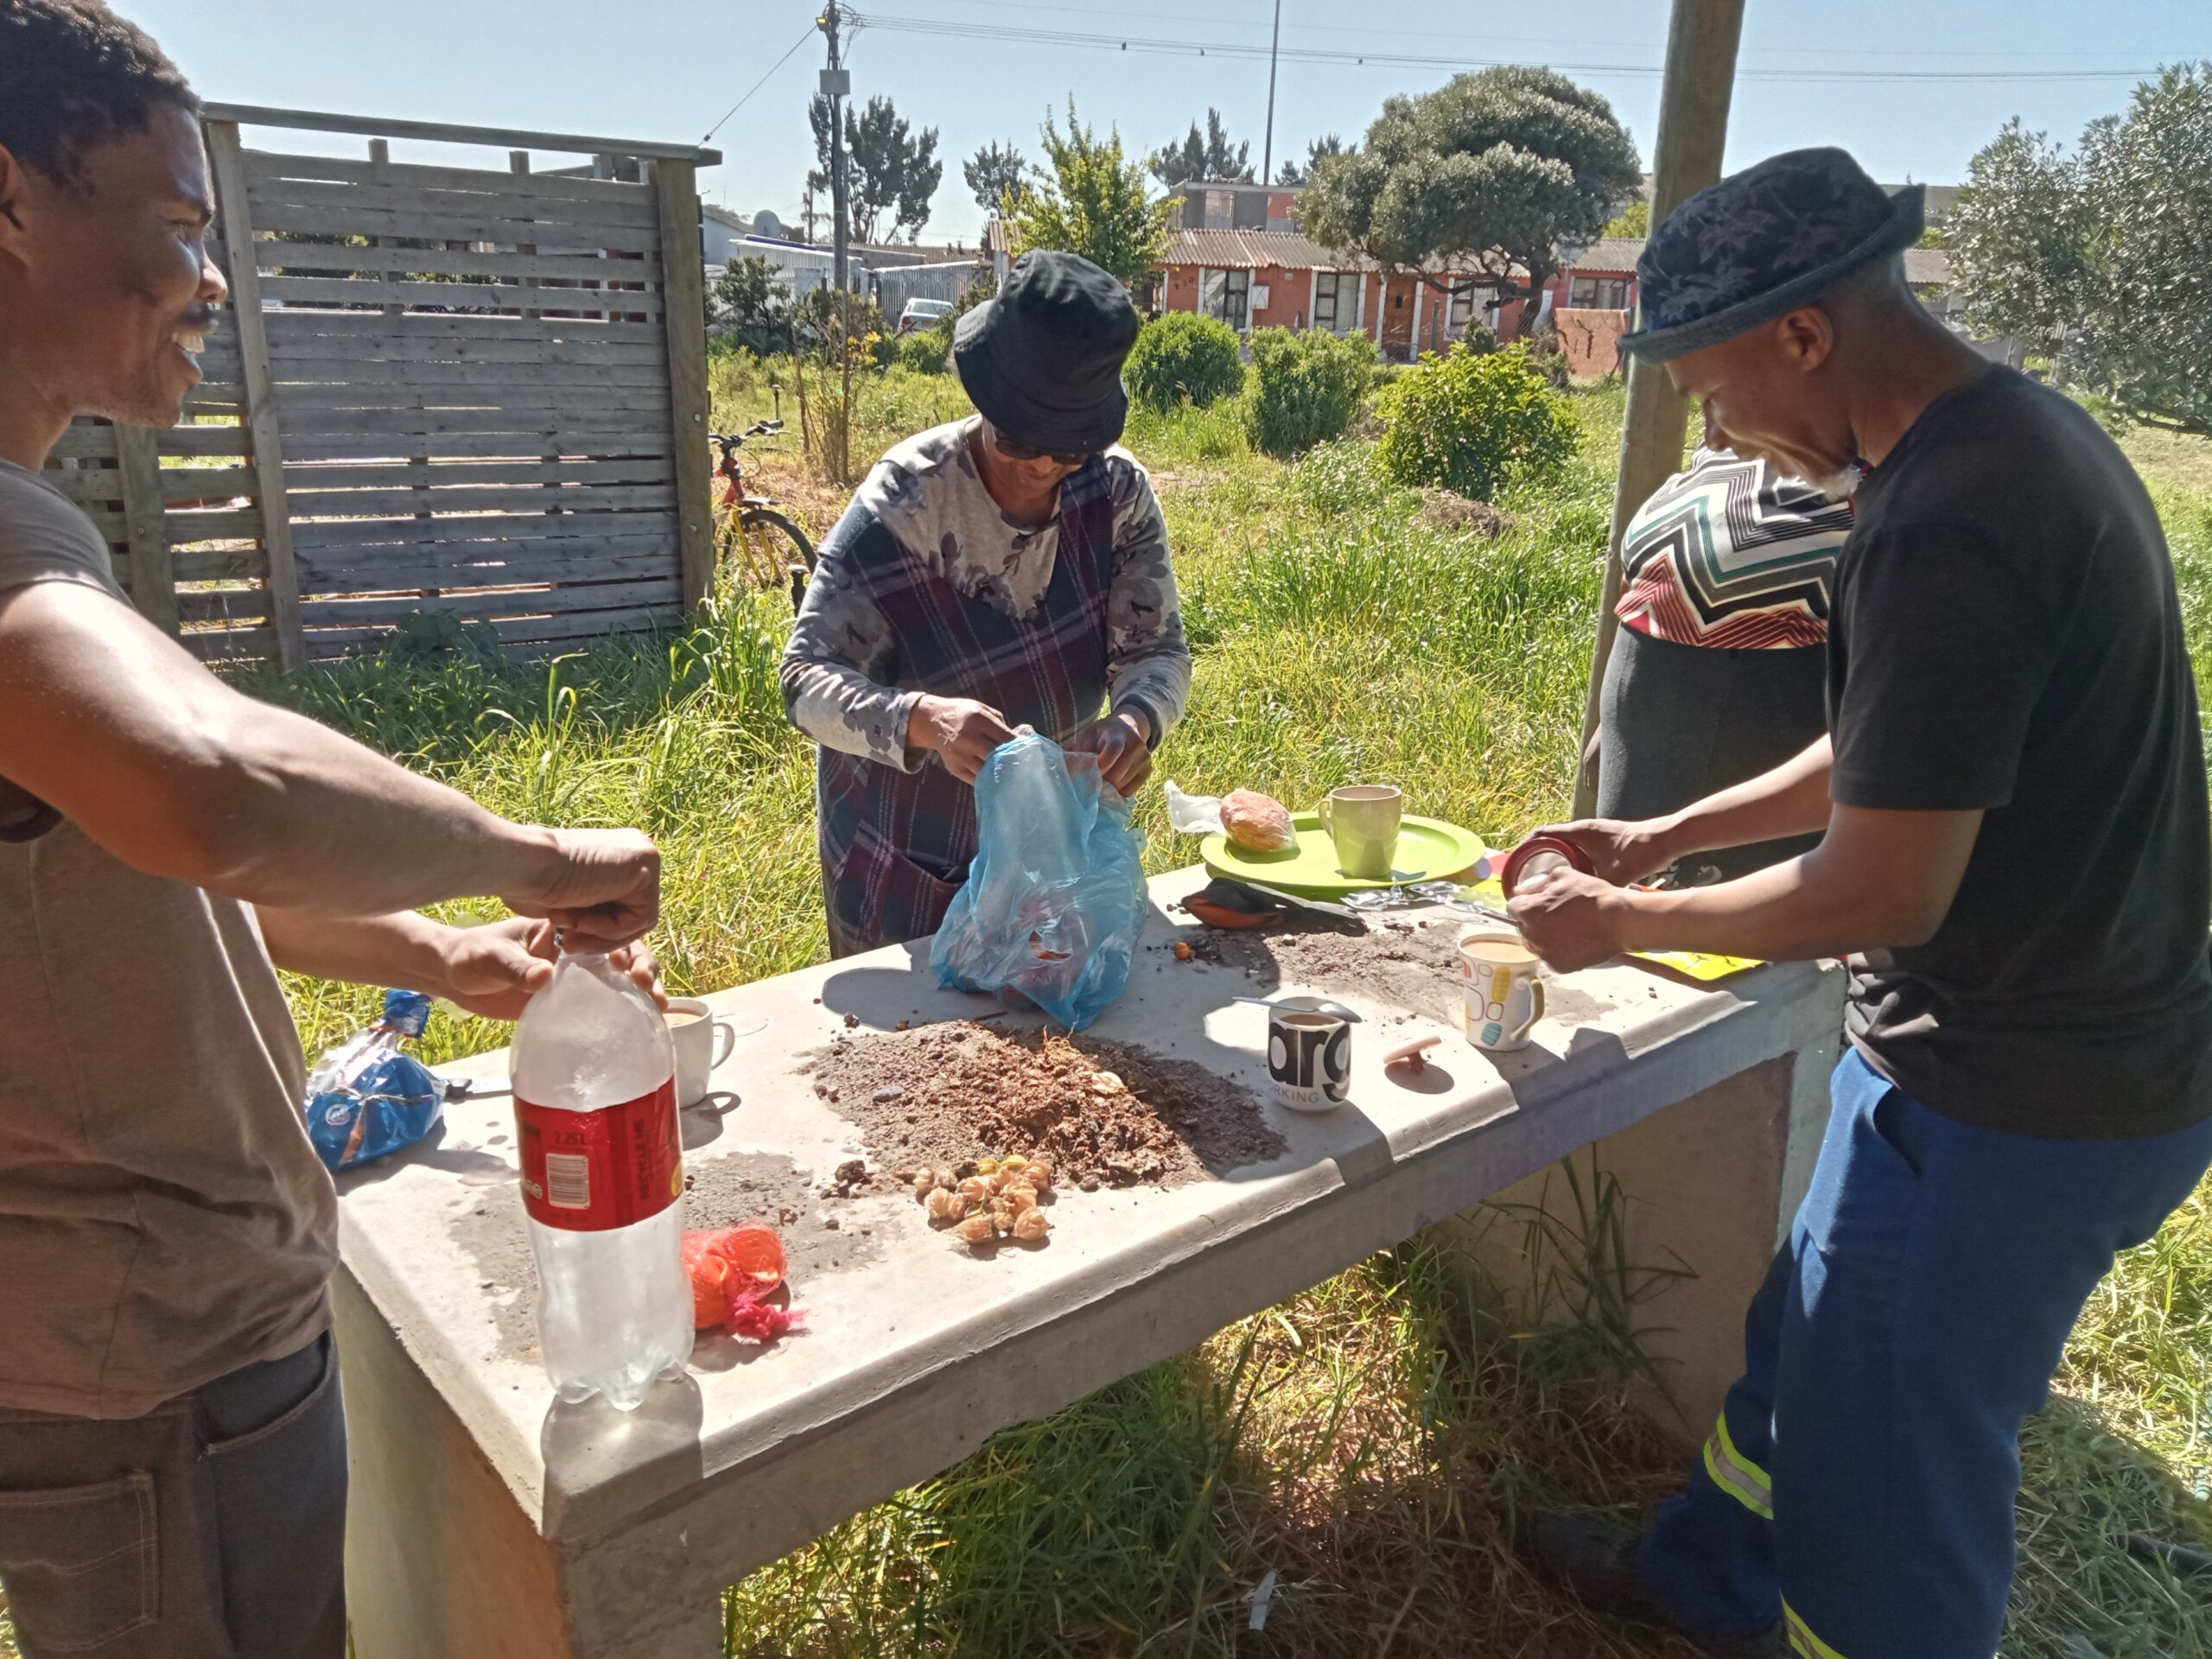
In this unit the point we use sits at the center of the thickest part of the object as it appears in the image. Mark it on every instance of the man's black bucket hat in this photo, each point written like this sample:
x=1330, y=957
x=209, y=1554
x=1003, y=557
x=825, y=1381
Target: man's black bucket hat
x=1760, y=243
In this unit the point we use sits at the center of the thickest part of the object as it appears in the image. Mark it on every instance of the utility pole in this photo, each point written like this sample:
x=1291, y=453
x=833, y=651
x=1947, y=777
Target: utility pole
x=836, y=86
x=1694, y=93
x=1268, y=145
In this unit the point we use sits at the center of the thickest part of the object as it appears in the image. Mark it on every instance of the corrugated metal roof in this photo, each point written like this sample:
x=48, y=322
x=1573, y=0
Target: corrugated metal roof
x=1610, y=255
x=1250, y=250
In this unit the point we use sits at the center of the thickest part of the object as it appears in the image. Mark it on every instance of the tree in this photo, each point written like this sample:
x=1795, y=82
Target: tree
x=750, y=301
x=1093, y=202
x=1203, y=159
x=1292, y=173
x=994, y=174
x=890, y=172
x=1635, y=220
x=1490, y=171
x=2100, y=256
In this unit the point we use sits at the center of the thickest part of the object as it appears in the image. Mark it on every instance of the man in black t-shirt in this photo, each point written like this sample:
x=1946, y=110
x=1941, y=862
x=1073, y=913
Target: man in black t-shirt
x=2015, y=858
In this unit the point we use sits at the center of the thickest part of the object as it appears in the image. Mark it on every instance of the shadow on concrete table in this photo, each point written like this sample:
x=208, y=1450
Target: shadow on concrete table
x=489, y=1520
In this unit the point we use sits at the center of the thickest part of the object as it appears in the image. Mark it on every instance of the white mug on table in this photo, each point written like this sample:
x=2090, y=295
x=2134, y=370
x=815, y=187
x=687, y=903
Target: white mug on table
x=703, y=1043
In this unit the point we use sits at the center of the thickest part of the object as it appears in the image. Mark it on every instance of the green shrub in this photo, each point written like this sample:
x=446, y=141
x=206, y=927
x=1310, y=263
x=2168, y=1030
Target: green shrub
x=1183, y=358
x=1306, y=386
x=925, y=351
x=1471, y=423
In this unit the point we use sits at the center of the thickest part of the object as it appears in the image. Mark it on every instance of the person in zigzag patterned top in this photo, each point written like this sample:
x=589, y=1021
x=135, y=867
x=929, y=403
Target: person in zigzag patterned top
x=1719, y=670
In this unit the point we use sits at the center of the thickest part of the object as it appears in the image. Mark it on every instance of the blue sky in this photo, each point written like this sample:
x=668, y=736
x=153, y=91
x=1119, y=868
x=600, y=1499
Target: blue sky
x=667, y=70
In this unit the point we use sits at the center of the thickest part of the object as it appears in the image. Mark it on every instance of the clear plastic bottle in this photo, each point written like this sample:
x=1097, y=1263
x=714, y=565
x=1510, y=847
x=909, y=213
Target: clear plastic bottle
x=594, y=1071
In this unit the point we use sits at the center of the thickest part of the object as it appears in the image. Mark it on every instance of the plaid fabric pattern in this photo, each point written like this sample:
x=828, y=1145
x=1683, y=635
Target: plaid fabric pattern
x=896, y=846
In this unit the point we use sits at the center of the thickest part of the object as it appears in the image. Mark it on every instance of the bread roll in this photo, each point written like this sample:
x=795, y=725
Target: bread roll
x=1257, y=822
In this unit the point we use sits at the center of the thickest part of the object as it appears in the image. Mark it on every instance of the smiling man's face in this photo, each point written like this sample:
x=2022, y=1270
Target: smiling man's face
x=107, y=288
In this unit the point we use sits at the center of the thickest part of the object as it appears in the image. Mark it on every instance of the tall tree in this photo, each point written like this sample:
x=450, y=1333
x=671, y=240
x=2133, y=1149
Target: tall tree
x=993, y=173
x=1204, y=158
x=1489, y=172
x=750, y=301
x=1320, y=150
x=1093, y=201
x=891, y=172
x=2099, y=257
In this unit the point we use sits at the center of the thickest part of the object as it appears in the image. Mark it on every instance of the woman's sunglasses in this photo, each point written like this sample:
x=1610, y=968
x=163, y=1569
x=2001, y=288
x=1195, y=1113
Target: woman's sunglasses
x=1014, y=451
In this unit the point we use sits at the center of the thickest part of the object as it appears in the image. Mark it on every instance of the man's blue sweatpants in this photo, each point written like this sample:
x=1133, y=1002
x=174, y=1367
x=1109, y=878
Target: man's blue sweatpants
x=1860, y=1481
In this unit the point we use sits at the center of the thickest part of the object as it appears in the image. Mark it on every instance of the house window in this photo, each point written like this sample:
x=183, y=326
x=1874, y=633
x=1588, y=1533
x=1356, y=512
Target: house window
x=1462, y=313
x=1597, y=293
x=1226, y=295
x=1336, y=300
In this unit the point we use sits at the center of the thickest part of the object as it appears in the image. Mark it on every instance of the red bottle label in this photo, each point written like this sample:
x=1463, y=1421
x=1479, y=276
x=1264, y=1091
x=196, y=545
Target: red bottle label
x=593, y=1172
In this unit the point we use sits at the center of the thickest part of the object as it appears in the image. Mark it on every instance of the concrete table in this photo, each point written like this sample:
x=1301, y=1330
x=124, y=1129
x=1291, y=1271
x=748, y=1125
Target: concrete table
x=487, y=1521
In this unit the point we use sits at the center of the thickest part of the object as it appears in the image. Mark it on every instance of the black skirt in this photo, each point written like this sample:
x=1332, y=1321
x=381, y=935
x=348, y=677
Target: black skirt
x=1678, y=722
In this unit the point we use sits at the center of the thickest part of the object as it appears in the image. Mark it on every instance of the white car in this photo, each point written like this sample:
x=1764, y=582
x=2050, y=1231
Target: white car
x=922, y=314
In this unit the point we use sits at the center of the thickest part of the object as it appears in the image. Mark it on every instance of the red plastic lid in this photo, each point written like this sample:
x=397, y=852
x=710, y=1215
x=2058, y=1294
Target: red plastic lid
x=1517, y=860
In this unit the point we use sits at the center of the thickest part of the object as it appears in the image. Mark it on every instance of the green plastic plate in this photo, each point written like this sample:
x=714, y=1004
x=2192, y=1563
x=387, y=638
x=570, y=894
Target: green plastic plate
x=1428, y=850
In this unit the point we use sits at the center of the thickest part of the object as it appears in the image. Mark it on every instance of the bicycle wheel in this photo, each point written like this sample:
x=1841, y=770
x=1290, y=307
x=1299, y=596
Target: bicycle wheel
x=785, y=544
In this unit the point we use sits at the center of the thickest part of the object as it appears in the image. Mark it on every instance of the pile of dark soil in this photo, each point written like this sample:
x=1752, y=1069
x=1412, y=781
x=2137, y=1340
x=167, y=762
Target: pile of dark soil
x=1105, y=1113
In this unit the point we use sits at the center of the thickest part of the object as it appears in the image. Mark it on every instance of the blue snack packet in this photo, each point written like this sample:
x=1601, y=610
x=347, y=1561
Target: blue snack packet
x=368, y=1099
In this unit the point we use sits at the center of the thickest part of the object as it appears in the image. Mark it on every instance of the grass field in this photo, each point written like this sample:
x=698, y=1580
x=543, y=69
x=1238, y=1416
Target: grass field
x=1369, y=1441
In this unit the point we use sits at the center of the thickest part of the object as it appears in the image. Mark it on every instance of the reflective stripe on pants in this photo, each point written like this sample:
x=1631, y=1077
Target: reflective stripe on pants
x=1803, y=1641
x=1736, y=1474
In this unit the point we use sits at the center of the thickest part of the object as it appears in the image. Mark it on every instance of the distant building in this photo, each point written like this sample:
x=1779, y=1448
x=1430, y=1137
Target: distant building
x=1236, y=207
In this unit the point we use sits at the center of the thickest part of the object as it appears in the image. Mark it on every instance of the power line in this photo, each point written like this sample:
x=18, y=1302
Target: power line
x=758, y=84
x=1368, y=32
x=1154, y=46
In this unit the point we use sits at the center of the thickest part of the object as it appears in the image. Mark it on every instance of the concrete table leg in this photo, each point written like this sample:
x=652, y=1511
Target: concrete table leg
x=441, y=1561
x=1710, y=1186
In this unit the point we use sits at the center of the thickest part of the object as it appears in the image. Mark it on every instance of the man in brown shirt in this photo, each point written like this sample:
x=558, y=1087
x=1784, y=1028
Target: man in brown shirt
x=172, y=1449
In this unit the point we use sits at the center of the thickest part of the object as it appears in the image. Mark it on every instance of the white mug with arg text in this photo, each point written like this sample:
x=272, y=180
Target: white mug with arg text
x=1498, y=978
x=703, y=1043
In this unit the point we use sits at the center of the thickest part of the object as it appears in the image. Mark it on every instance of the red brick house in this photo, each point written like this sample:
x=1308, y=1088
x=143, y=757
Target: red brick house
x=1282, y=279
x=1277, y=277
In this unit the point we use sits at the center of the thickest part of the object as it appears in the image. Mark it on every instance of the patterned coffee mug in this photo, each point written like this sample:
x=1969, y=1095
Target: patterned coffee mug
x=1309, y=1056
x=1504, y=997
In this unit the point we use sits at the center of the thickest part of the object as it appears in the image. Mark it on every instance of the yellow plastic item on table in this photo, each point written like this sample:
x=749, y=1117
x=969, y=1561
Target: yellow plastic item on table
x=1698, y=964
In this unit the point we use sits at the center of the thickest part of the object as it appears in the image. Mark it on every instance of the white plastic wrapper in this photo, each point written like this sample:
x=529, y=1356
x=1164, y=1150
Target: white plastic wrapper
x=1194, y=815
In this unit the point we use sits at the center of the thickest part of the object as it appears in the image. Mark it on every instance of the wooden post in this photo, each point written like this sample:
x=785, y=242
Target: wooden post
x=684, y=313
x=1701, y=78
x=228, y=159
x=138, y=473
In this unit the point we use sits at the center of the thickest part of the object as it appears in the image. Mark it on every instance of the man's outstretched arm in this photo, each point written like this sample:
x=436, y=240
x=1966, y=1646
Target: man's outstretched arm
x=118, y=729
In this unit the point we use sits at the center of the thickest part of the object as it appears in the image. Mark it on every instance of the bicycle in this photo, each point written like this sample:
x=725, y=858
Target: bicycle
x=759, y=544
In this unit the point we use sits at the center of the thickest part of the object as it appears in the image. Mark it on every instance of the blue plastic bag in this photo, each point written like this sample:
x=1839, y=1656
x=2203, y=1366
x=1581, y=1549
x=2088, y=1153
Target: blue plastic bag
x=1055, y=899
x=368, y=1099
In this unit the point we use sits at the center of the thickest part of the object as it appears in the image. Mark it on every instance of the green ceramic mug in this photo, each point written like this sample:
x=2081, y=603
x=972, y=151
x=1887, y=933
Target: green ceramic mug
x=1362, y=819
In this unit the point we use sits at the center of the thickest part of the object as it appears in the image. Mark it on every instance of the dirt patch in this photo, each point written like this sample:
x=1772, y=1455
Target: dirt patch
x=1412, y=964
x=761, y=1187
x=719, y=1193
x=954, y=1093
x=491, y=1234
x=1442, y=510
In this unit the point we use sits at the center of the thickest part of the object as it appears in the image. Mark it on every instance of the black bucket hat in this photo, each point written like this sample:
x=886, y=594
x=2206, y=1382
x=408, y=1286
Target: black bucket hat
x=1760, y=243
x=1042, y=358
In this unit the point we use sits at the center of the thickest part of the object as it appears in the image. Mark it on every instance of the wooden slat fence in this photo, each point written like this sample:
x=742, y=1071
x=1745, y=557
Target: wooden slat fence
x=436, y=389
